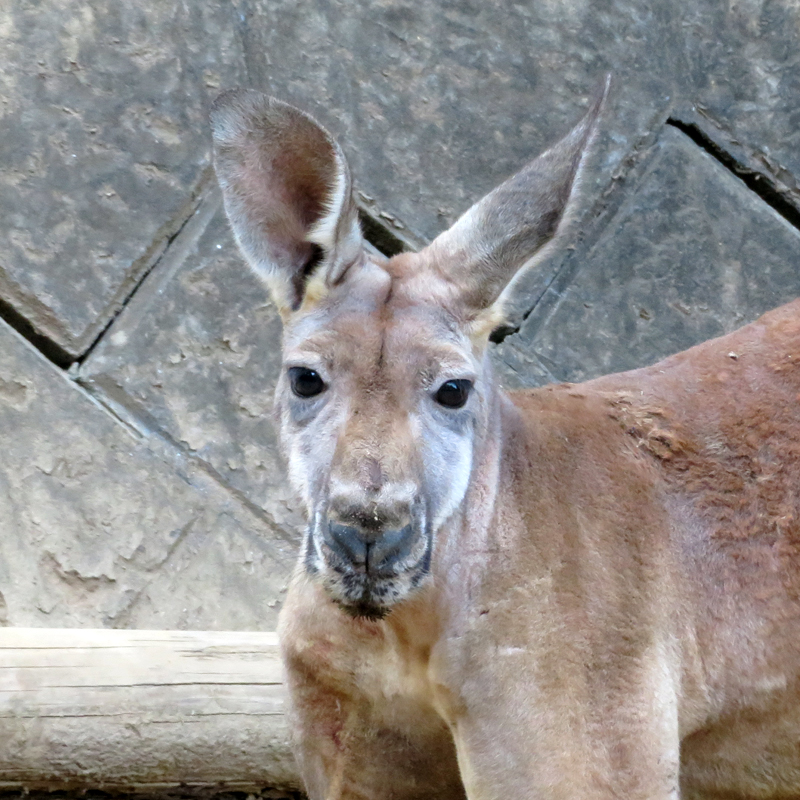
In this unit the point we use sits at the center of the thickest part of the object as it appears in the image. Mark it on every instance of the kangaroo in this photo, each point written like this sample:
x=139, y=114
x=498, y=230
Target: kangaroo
x=578, y=591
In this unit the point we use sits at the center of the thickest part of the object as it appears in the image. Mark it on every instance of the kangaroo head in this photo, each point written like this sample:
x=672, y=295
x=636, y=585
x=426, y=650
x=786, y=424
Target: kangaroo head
x=386, y=386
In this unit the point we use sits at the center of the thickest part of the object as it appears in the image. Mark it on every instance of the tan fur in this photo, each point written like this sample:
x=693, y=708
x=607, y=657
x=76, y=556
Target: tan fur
x=620, y=584
x=611, y=606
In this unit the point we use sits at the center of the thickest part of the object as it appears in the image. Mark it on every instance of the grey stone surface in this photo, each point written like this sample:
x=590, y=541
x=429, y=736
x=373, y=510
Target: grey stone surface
x=691, y=254
x=104, y=144
x=436, y=103
x=196, y=354
x=99, y=527
x=742, y=76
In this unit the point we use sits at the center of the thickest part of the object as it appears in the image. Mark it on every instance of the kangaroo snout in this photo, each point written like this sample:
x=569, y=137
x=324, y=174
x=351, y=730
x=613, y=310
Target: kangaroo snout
x=375, y=552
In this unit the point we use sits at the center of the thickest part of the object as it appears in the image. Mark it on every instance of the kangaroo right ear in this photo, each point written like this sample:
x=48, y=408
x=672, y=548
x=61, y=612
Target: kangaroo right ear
x=288, y=195
x=507, y=231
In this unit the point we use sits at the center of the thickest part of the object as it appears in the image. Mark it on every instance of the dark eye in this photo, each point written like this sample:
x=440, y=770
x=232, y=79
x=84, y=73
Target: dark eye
x=305, y=382
x=453, y=394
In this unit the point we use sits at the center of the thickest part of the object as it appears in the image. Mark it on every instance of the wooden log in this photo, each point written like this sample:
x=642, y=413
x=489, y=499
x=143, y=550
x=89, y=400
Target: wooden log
x=142, y=709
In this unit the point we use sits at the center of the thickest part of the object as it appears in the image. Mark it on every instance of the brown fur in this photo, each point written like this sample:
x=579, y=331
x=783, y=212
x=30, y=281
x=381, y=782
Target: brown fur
x=636, y=514
x=601, y=594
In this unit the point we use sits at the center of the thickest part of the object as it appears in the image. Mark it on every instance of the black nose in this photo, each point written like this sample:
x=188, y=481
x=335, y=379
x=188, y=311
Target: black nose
x=375, y=552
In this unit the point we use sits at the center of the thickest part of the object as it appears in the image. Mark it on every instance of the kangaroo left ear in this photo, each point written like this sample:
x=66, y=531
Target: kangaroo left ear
x=506, y=232
x=288, y=195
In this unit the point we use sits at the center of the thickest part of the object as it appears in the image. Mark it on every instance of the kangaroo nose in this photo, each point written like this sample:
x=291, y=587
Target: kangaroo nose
x=375, y=552
x=349, y=543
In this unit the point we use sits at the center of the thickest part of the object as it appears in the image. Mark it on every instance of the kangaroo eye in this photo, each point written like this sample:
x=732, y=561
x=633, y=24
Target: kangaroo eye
x=305, y=382
x=453, y=394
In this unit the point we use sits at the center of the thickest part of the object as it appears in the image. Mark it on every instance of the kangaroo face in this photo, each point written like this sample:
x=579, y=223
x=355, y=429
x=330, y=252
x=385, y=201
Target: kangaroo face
x=379, y=400
x=385, y=383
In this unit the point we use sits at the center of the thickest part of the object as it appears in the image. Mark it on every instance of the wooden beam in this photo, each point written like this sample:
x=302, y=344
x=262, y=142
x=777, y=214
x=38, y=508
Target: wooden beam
x=142, y=709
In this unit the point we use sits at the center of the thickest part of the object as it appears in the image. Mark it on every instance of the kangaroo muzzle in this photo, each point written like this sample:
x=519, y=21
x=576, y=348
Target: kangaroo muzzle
x=376, y=553
x=369, y=555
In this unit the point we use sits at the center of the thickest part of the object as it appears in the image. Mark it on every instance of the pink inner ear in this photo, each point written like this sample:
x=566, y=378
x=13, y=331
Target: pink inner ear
x=306, y=181
x=288, y=190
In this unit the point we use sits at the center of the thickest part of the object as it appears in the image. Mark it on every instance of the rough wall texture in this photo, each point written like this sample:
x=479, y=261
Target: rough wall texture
x=740, y=76
x=200, y=356
x=690, y=255
x=173, y=511
x=103, y=147
x=100, y=529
